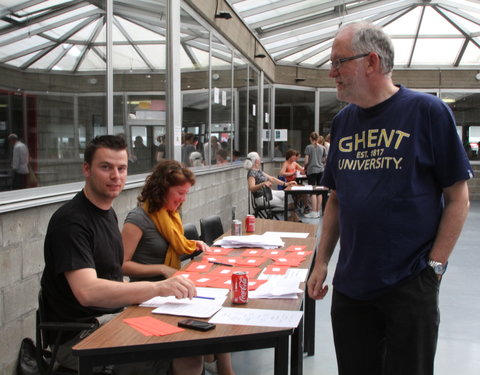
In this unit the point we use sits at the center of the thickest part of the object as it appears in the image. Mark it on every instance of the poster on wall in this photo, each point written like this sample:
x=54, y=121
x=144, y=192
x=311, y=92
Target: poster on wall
x=281, y=135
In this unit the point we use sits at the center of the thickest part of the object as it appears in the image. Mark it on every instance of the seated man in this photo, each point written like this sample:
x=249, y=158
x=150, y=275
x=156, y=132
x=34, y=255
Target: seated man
x=83, y=279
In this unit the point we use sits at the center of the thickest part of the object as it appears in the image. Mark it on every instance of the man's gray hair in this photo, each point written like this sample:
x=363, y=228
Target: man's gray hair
x=368, y=37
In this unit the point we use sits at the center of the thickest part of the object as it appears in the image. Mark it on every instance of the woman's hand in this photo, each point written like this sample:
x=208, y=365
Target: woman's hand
x=266, y=183
x=202, y=246
x=291, y=183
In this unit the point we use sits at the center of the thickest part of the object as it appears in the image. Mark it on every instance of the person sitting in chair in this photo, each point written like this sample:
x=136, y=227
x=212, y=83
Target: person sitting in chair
x=257, y=179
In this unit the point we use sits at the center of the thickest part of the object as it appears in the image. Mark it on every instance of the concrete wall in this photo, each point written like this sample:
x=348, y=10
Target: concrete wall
x=21, y=249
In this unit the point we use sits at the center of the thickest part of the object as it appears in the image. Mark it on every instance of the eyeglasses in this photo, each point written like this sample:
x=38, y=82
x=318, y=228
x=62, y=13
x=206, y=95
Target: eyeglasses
x=335, y=64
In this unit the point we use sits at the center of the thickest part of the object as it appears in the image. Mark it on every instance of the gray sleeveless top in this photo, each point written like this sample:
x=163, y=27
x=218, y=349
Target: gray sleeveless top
x=152, y=247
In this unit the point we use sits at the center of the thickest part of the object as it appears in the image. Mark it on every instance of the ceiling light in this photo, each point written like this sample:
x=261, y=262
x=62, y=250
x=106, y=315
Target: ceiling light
x=223, y=14
x=477, y=77
x=259, y=55
x=297, y=78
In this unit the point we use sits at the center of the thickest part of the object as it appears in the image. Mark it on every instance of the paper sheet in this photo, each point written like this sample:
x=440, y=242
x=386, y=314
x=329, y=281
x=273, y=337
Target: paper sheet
x=298, y=275
x=287, y=234
x=257, y=317
x=277, y=288
x=149, y=326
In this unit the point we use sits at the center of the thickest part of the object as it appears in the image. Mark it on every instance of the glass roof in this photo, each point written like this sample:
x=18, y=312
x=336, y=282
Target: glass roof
x=69, y=35
x=425, y=33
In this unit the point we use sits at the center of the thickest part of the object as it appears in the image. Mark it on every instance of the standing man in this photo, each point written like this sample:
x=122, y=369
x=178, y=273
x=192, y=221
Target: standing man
x=399, y=199
x=19, y=162
x=82, y=279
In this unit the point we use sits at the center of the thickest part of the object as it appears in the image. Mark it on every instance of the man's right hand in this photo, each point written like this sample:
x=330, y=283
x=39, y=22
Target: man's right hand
x=316, y=289
x=177, y=286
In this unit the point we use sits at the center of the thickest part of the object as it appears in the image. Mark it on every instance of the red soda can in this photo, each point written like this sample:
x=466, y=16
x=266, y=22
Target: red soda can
x=239, y=288
x=250, y=223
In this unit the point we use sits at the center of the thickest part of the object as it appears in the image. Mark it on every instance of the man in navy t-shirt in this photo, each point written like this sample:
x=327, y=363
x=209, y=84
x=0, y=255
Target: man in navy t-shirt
x=398, y=172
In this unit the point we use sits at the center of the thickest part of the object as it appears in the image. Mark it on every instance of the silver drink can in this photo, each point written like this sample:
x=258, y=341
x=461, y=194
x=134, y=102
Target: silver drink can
x=236, y=228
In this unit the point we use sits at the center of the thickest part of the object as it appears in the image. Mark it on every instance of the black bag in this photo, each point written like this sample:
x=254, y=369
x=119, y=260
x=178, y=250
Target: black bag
x=27, y=362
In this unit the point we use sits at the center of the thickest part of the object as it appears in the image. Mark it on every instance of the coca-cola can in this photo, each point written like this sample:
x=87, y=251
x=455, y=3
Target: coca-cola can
x=250, y=223
x=239, y=288
x=236, y=228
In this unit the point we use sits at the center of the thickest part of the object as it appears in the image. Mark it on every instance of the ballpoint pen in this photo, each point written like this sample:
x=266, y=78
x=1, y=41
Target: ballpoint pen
x=221, y=264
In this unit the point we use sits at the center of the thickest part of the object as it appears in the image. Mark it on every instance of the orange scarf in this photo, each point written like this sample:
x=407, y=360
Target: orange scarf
x=169, y=225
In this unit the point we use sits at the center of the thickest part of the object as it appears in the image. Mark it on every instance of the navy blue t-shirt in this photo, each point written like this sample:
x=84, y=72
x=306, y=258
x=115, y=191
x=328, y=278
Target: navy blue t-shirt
x=388, y=165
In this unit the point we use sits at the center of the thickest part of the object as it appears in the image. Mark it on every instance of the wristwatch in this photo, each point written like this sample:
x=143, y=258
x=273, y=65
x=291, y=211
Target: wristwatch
x=438, y=267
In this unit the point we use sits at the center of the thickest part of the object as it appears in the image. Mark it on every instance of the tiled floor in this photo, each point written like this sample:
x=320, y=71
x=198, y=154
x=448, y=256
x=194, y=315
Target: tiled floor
x=459, y=339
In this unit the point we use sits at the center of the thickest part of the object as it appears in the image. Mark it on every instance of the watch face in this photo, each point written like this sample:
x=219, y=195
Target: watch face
x=439, y=269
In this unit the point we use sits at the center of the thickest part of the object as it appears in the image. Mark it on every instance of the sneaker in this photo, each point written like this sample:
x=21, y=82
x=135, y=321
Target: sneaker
x=311, y=215
x=211, y=367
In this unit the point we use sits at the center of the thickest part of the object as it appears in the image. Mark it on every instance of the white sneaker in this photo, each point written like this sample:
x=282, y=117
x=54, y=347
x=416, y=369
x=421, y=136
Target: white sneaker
x=211, y=367
x=311, y=215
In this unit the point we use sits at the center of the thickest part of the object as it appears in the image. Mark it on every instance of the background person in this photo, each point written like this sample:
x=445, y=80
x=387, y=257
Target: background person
x=221, y=156
x=315, y=156
x=195, y=159
x=398, y=203
x=160, y=149
x=290, y=166
x=210, y=149
x=20, y=160
x=82, y=279
x=187, y=148
x=257, y=179
x=154, y=240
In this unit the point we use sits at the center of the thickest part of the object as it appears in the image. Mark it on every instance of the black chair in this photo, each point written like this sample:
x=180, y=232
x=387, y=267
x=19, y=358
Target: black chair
x=265, y=210
x=258, y=210
x=190, y=232
x=211, y=228
x=47, y=331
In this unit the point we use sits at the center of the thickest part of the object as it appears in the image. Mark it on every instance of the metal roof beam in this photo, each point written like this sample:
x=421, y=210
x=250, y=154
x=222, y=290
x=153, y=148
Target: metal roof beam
x=325, y=22
x=301, y=15
x=131, y=42
x=27, y=34
x=359, y=12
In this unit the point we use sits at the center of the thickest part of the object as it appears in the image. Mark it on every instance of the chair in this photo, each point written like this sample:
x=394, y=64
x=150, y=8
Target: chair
x=258, y=211
x=190, y=232
x=265, y=210
x=211, y=228
x=44, y=331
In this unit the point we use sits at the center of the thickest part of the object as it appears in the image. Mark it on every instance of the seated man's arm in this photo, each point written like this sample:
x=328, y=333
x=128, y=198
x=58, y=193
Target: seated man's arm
x=90, y=290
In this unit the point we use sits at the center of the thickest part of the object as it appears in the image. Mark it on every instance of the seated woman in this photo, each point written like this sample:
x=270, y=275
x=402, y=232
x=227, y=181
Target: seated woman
x=153, y=241
x=290, y=166
x=257, y=179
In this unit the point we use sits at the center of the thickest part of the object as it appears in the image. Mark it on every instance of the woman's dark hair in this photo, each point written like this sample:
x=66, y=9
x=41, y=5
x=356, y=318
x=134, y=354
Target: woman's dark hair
x=166, y=174
x=290, y=153
x=113, y=142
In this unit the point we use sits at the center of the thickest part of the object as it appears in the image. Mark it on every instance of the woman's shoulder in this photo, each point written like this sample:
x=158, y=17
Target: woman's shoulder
x=137, y=216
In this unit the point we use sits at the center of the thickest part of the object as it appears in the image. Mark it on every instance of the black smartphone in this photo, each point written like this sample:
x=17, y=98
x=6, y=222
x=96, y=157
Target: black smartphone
x=199, y=325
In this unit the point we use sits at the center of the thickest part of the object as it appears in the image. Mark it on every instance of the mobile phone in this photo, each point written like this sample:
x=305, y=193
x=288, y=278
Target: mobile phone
x=199, y=325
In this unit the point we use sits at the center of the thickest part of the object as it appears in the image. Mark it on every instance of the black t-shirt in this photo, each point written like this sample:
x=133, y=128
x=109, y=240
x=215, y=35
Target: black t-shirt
x=79, y=235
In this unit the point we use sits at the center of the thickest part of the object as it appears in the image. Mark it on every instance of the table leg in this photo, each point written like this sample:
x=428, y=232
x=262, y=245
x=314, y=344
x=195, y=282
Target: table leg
x=285, y=206
x=309, y=341
x=324, y=201
x=296, y=348
x=281, y=356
